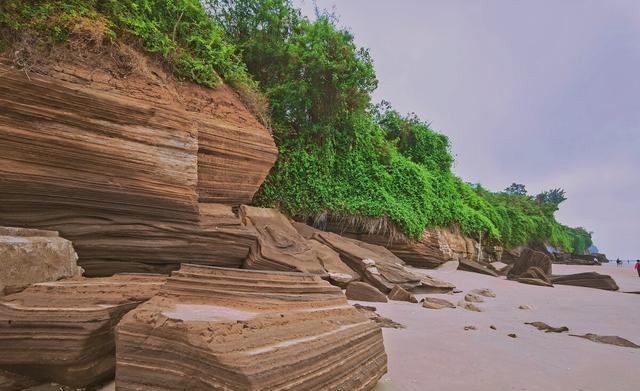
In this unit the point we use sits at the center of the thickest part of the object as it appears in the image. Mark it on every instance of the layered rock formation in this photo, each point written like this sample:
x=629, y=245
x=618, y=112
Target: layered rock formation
x=435, y=247
x=124, y=160
x=64, y=331
x=213, y=328
x=587, y=279
x=281, y=248
x=28, y=256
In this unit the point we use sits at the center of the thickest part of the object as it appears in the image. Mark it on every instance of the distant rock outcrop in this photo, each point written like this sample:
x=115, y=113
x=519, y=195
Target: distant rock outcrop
x=244, y=330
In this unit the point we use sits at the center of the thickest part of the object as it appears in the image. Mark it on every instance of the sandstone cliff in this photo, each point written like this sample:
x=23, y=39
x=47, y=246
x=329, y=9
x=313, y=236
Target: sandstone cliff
x=100, y=143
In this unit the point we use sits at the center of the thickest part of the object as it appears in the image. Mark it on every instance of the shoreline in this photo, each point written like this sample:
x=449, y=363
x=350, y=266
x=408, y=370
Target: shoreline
x=435, y=352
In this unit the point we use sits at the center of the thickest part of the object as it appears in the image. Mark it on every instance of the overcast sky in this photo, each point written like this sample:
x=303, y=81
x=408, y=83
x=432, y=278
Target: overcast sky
x=540, y=92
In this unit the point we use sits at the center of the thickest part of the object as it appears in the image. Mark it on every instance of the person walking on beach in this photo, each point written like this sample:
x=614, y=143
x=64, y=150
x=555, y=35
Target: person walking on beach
x=637, y=267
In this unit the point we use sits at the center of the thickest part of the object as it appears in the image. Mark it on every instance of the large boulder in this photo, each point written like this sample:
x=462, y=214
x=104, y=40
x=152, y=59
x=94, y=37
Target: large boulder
x=64, y=331
x=531, y=258
x=587, y=279
x=245, y=330
x=28, y=256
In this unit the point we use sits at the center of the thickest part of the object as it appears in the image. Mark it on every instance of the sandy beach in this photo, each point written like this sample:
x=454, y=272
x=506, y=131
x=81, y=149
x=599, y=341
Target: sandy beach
x=435, y=352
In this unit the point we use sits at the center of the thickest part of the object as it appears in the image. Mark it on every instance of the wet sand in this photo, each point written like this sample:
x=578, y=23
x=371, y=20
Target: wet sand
x=435, y=352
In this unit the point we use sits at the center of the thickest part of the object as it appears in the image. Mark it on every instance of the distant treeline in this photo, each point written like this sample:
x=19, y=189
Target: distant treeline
x=311, y=84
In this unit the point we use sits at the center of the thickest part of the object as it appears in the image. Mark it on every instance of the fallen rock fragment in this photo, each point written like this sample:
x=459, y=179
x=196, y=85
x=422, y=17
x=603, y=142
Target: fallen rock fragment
x=587, y=279
x=400, y=294
x=473, y=298
x=435, y=303
x=469, y=306
x=29, y=256
x=546, y=328
x=492, y=327
x=467, y=328
x=525, y=307
x=500, y=267
x=512, y=335
x=483, y=292
x=364, y=292
x=608, y=339
x=64, y=331
x=295, y=332
x=380, y=320
x=431, y=284
x=473, y=266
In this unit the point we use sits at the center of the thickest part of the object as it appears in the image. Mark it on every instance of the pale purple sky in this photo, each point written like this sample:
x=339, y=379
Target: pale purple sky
x=540, y=92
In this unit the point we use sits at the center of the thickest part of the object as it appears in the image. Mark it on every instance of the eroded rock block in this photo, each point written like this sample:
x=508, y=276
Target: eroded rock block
x=399, y=294
x=28, y=256
x=281, y=248
x=64, y=331
x=435, y=303
x=587, y=279
x=364, y=292
x=531, y=258
x=230, y=329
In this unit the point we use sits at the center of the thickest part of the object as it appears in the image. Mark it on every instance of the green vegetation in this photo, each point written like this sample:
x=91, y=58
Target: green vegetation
x=339, y=153
x=190, y=42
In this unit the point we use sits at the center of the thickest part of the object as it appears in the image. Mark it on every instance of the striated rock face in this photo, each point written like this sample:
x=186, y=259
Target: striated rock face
x=124, y=164
x=64, y=331
x=281, y=248
x=531, y=258
x=375, y=264
x=213, y=329
x=28, y=256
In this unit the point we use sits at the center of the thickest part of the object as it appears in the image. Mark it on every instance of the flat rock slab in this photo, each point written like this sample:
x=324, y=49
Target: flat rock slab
x=63, y=331
x=364, y=292
x=546, y=328
x=587, y=279
x=608, y=339
x=28, y=256
x=434, y=303
x=400, y=294
x=483, y=292
x=233, y=330
x=473, y=266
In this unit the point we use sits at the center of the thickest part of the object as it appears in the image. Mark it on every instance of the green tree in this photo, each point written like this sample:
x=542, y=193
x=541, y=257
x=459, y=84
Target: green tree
x=516, y=189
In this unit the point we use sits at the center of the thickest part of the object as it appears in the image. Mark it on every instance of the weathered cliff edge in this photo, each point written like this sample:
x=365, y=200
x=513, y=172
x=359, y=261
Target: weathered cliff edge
x=137, y=169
